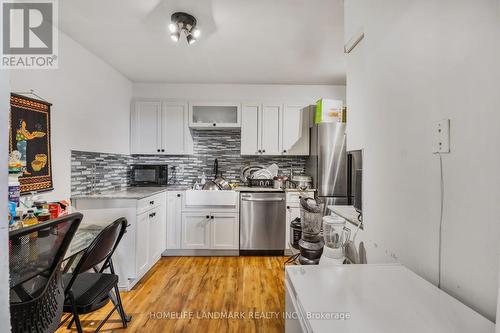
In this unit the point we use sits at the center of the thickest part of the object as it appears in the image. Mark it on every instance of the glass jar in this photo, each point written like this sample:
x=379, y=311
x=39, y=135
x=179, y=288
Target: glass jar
x=31, y=220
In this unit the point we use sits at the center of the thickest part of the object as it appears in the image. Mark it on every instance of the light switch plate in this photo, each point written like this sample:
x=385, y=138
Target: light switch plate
x=441, y=137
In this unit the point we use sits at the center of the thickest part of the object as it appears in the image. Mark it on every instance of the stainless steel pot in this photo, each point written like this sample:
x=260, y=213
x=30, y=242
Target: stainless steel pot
x=211, y=185
x=222, y=183
x=302, y=182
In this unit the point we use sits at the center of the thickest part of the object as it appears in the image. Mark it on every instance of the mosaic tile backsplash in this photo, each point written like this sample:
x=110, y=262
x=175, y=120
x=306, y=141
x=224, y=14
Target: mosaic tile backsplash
x=108, y=171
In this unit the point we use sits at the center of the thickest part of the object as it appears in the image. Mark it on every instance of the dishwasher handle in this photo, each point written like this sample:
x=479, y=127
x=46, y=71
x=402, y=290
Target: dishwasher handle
x=262, y=199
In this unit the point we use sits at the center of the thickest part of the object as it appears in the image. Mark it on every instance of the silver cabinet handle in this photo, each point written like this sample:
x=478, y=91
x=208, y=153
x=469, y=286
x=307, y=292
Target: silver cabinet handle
x=268, y=200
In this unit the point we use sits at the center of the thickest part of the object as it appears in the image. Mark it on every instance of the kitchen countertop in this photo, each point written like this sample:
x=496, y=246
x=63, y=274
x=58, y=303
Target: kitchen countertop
x=268, y=189
x=132, y=192
x=144, y=192
x=346, y=212
x=378, y=298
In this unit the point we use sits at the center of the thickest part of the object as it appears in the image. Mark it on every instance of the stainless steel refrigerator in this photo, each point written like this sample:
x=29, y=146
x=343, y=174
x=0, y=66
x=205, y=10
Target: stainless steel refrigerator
x=328, y=163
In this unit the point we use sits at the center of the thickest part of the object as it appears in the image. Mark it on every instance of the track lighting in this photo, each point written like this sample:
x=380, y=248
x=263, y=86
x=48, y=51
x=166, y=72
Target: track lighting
x=190, y=39
x=175, y=36
x=185, y=23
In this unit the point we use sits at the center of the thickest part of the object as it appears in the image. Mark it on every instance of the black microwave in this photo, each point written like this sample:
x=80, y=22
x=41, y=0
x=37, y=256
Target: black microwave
x=149, y=175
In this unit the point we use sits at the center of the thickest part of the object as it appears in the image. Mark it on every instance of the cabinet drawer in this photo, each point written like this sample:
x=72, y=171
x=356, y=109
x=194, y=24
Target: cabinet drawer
x=293, y=198
x=148, y=203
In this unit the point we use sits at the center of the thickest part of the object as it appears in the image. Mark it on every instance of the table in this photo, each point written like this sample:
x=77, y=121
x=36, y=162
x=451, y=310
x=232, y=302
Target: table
x=373, y=298
x=31, y=257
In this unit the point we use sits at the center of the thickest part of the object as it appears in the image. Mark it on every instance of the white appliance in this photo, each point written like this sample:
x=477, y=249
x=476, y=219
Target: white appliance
x=334, y=234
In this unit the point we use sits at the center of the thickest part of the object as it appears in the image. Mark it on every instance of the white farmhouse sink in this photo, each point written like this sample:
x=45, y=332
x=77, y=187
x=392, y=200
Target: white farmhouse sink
x=210, y=198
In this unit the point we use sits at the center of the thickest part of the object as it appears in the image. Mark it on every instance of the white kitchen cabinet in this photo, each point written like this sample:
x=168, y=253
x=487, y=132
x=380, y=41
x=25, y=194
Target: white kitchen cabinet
x=210, y=231
x=176, y=137
x=160, y=128
x=174, y=219
x=295, y=130
x=250, y=129
x=274, y=129
x=214, y=115
x=144, y=241
x=224, y=231
x=271, y=129
x=196, y=230
x=142, y=248
x=146, y=127
x=156, y=240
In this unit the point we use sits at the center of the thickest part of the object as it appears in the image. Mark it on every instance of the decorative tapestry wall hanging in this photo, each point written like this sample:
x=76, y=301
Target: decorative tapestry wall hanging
x=29, y=138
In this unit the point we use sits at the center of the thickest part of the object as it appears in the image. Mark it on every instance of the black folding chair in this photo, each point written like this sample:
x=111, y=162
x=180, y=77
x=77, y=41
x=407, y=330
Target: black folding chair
x=36, y=289
x=88, y=291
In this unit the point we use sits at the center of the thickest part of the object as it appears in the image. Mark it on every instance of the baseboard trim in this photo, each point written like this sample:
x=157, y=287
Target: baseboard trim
x=201, y=253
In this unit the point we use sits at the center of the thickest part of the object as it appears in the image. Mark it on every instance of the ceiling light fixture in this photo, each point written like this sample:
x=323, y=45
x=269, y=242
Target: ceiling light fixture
x=185, y=23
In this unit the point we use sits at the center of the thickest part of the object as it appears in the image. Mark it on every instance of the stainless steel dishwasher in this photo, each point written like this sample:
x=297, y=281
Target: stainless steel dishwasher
x=262, y=223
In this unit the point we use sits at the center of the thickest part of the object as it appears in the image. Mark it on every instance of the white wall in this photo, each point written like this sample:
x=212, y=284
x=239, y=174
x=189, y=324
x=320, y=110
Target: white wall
x=239, y=92
x=90, y=111
x=422, y=61
x=4, y=251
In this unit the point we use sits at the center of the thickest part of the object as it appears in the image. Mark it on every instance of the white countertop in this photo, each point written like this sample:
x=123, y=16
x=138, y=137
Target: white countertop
x=268, y=189
x=346, y=212
x=379, y=298
x=144, y=192
x=131, y=192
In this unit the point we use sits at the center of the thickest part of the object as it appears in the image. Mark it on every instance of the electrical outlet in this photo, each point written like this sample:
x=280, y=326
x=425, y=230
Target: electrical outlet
x=441, y=137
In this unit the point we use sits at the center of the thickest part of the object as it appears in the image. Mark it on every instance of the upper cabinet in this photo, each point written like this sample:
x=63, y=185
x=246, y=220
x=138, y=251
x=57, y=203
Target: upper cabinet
x=295, y=130
x=274, y=129
x=213, y=115
x=270, y=130
x=146, y=127
x=160, y=127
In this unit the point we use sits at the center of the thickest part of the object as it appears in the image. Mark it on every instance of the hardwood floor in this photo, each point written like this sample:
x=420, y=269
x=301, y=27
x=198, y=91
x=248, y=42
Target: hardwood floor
x=180, y=294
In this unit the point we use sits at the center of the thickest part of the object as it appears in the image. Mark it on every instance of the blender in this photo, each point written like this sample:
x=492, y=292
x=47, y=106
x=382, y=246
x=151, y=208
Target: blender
x=311, y=242
x=334, y=234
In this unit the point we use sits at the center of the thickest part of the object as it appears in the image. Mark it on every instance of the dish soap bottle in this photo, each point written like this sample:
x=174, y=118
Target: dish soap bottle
x=203, y=179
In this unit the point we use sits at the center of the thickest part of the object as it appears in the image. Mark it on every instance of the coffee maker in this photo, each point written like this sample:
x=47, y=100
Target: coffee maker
x=311, y=242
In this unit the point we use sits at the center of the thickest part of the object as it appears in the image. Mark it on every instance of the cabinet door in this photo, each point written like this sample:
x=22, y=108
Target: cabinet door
x=174, y=220
x=291, y=214
x=175, y=130
x=155, y=236
x=270, y=129
x=250, y=139
x=224, y=231
x=214, y=115
x=196, y=230
x=295, y=130
x=146, y=128
x=142, y=248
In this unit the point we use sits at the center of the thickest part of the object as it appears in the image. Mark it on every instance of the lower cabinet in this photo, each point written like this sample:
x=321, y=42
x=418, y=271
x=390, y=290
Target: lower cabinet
x=156, y=230
x=143, y=243
x=196, y=230
x=210, y=230
x=142, y=234
x=174, y=219
x=224, y=231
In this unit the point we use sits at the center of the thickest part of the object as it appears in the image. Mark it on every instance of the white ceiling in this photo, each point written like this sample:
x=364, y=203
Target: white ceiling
x=242, y=41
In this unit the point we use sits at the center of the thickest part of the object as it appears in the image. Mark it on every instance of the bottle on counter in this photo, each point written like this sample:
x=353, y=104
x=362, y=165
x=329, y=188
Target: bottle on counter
x=43, y=217
x=29, y=221
x=14, y=188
